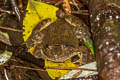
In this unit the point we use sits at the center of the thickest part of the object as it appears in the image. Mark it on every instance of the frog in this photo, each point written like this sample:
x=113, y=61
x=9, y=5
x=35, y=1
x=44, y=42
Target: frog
x=58, y=41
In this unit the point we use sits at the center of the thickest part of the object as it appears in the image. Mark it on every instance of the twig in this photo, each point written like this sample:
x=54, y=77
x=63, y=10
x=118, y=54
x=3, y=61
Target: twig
x=23, y=67
x=77, y=74
x=11, y=29
x=84, y=12
x=6, y=11
x=70, y=68
x=16, y=9
x=60, y=68
x=6, y=76
x=76, y=5
x=19, y=77
x=20, y=4
x=58, y=3
x=66, y=7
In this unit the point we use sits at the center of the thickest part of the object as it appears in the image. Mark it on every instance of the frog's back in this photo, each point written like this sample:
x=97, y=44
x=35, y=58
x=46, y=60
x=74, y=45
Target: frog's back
x=61, y=32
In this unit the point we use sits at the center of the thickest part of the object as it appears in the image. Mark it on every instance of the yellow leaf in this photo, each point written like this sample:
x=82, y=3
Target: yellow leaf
x=55, y=73
x=36, y=12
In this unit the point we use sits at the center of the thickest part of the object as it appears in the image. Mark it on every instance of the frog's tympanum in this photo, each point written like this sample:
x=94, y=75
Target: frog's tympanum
x=58, y=41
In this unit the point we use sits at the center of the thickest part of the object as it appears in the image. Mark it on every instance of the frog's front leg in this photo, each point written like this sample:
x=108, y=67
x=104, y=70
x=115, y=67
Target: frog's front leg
x=37, y=35
x=81, y=56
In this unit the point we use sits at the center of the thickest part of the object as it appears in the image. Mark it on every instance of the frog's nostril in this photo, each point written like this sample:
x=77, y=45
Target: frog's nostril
x=48, y=46
x=56, y=56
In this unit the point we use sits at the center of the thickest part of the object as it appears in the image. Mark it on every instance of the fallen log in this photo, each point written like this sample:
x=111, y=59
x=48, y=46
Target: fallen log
x=105, y=28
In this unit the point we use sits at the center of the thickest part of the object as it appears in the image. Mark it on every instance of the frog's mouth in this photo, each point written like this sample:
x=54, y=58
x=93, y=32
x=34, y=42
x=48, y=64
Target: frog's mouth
x=57, y=53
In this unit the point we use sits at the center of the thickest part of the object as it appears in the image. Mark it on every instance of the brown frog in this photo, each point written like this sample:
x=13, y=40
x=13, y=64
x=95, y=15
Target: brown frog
x=58, y=41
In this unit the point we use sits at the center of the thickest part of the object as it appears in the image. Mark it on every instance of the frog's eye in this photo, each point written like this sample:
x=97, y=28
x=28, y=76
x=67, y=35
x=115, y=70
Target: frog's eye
x=65, y=46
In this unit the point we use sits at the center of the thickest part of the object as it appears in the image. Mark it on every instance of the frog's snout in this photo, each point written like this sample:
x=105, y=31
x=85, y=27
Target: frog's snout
x=56, y=50
x=58, y=53
x=61, y=47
